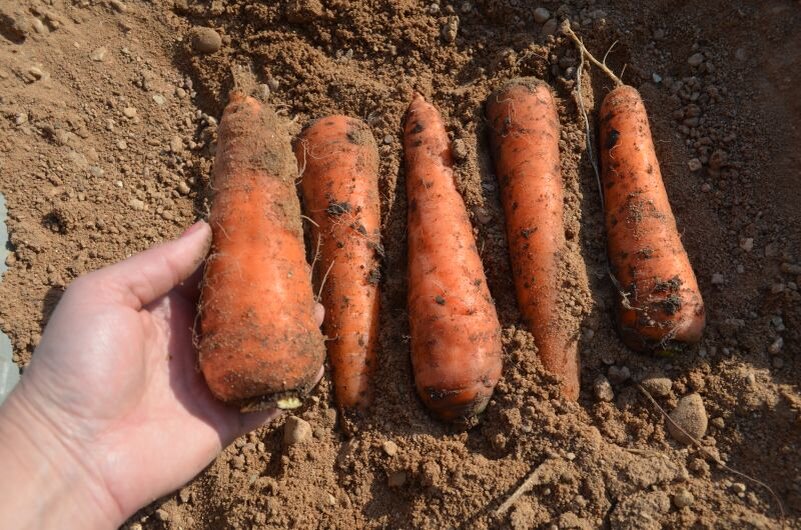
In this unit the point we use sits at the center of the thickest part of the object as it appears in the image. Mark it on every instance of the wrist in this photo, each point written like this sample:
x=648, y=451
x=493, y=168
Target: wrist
x=46, y=481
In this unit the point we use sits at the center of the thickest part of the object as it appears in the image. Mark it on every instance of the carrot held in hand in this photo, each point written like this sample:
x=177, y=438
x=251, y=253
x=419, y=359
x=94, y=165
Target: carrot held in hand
x=260, y=345
x=455, y=334
x=659, y=301
x=338, y=160
x=524, y=136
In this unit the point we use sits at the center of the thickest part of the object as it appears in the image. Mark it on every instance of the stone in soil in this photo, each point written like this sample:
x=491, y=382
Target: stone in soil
x=541, y=15
x=296, y=430
x=683, y=498
x=205, y=40
x=690, y=415
x=603, y=389
x=658, y=386
x=390, y=448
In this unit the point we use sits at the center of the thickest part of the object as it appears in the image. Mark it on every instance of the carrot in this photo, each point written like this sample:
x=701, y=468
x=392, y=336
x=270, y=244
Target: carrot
x=260, y=345
x=659, y=304
x=524, y=136
x=338, y=159
x=455, y=333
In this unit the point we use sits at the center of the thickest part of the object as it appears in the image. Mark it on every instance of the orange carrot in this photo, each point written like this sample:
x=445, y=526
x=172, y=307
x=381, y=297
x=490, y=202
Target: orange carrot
x=455, y=333
x=338, y=159
x=260, y=345
x=659, y=303
x=524, y=135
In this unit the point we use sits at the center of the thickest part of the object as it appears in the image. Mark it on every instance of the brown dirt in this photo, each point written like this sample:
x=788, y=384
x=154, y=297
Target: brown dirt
x=88, y=183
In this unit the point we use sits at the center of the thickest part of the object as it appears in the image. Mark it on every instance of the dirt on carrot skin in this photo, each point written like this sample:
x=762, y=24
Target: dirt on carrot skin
x=107, y=122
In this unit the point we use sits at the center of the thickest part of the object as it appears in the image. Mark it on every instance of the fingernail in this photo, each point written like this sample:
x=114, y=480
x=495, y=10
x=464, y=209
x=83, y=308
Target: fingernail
x=192, y=229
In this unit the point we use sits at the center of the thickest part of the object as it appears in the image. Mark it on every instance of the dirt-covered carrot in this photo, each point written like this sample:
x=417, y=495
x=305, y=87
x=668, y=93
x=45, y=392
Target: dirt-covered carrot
x=455, y=334
x=524, y=135
x=659, y=301
x=260, y=345
x=338, y=158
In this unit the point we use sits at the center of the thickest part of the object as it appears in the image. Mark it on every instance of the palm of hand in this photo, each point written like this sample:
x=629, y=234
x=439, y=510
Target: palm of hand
x=120, y=377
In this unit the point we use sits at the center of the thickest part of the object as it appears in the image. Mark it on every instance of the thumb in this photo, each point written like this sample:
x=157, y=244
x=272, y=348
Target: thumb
x=145, y=277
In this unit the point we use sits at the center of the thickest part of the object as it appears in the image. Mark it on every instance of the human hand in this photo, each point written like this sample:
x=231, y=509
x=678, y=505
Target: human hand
x=113, y=397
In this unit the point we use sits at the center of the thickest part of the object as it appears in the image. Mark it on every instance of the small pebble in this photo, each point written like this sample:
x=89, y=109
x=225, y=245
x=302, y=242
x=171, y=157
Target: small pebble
x=618, y=374
x=603, y=389
x=718, y=279
x=747, y=244
x=136, y=204
x=122, y=145
x=483, y=216
x=129, y=112
x=683, y=498
x=36, y=72
x=118, y=6
x=706, y=187
x=390, y=448
x=99, y=54
x=541, y=15
x=184, y=495
x=459, y=149
x=296, y=430
x=450, y=29
x=776, y=346
x=738, y=487
x=38, y=26
x=656, y=77
x=550, y=27
x=388, y=139
x=690, y=415
x=657, y=386
x=159, y=99
x=183, y=188
x=694, y=164
x=162, y=515
x=695, y=59
x=176, y=144
x=205, y=40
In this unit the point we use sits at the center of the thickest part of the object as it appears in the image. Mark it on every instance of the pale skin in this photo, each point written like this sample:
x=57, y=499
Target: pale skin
x=112, y=413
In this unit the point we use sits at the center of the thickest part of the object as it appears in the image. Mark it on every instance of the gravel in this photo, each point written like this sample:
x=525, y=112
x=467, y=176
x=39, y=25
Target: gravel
x=296, y=431
x=602, y=389
x=658, y=386
x=541, y=15
x=390, y=448
x=683, y=498
x=690, y=415
x=99, y=55
x=695, y=59
x=205, y=40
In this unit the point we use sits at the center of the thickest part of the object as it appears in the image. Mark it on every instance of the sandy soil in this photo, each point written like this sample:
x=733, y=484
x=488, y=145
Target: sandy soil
x=107, y=127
